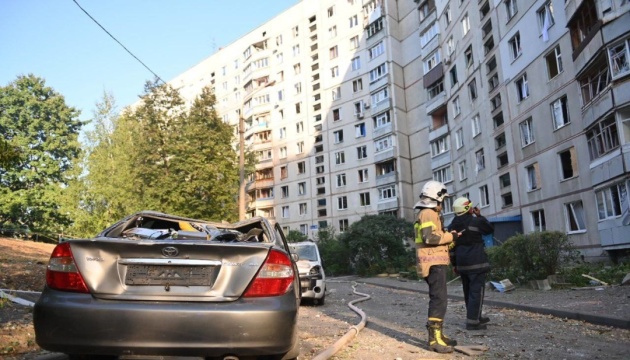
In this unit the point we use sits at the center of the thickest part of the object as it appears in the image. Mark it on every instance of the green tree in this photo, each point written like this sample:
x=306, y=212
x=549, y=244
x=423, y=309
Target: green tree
x=335, y=255
x=377, y=244
x=37, y=123
x=295, y=236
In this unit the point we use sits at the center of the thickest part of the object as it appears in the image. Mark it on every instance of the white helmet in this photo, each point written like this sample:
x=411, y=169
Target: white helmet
x=434, y=190
x=461, y=205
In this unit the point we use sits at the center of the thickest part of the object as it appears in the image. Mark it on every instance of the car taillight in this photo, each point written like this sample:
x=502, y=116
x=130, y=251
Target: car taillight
x=62, y=273
x=274, y=278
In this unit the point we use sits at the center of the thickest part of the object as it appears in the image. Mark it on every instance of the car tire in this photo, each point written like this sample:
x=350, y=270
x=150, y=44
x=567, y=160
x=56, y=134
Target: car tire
x=321, y=301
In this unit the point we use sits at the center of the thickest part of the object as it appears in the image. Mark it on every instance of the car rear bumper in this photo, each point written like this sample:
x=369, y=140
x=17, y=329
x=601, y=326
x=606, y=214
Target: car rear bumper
x=81, y=324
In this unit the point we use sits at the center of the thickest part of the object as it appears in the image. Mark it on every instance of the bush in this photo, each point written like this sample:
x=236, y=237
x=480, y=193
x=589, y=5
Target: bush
x=611, y=274
x=532, y=256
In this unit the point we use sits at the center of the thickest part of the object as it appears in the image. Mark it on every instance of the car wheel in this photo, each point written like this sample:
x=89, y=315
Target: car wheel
x=321, y=301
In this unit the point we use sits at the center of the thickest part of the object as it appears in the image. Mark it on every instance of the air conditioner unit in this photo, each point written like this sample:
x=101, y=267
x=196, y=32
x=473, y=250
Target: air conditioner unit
x=359, y=115
x=366, y=106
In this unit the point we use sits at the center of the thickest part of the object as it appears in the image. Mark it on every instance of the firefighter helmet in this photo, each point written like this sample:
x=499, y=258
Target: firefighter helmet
x=461, y=205
x=434, y=190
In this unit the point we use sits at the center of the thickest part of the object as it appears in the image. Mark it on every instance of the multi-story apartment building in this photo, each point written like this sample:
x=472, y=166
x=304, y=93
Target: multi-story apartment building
x=350, y=106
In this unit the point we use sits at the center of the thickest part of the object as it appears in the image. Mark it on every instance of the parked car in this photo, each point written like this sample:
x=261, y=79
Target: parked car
x=312, y=276
x=157, y=284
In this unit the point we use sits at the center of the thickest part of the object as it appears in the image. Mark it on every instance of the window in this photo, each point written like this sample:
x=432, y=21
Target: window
x=574, y=212
x=302, y=209
x=432, y=61
x=440, y=145
x=480, y=160
x=450, y=46
x=447, y=15
x=619, y=55
x=299, y=127
x=499, y=141
x=515, y=46
x=333, y=52
x=472, y=89
x=336, y=93
x=357, y=85
x=506, y=200
x=342, y=203
x=583, y=23
x=363, y=175
x=296, y=31
x=341, y=180
x=334, y=71
x=285, y=191
x=385, y=168
x=331, y=11
x=319, y=169
x=319, y=159
x=343, y=225
x=338, y=136
x=498, y=119
x=527, y=132
x=554, y=62
x=383, y=144
x=332, y=32
x=378, y=72
x=522, y=88
x=435, y=90
x=298, y=88
x=510, y=8
x=364, y=199
x=465, y=25
x=336, y=115
x=296, y=50
x=362, y=152
x=300, y=147
x=354, y=21
x=560, y=113
x=484, y=196
x=463, y=172
x=340, y=158
x=321, y=180
x=459, y=138
x=594, y=81
x=301, y=167
x=457, y=109
x=387, y=193
x=356, y=63
x=602, y=138
x=375, y=27
x=359, y=130
x=468, y=55
x=304, y=229
x=354, y=42
x=502, y=160
x=568, y=163
x=376, y=50
x=381, y=95
x=538, y=220
x=382, y=119
x=485, y=9
x=297, y=69
x=443, y=175
x=429, y=34
x=545, y=19
x=610, y=201
x=302, y=188
x=476, y=125
x=453, y=75
x=504, y=180
x=284, y=172
x=533, y=177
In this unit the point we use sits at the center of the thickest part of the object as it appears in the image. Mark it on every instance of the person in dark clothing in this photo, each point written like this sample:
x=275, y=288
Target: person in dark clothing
x=469, y=258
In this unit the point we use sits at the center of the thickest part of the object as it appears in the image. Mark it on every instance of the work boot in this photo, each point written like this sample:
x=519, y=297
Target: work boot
x=476, y=326
x=484, y=319
x=436, y=342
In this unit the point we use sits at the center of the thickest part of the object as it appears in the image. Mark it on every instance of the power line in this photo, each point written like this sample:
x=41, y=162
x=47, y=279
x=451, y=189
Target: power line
x=123, y=46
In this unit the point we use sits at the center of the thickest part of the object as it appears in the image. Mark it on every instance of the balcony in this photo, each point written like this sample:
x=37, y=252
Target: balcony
x=389, y=178
x=436, y=102
x=385, y=154
x=382, y=130
x=381, y=106
x=388, y=204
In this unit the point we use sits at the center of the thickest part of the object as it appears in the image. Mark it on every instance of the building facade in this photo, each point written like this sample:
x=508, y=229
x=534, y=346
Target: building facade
x=350, y=106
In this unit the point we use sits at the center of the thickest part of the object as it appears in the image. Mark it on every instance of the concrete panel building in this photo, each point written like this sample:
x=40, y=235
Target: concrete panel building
x=350, y=106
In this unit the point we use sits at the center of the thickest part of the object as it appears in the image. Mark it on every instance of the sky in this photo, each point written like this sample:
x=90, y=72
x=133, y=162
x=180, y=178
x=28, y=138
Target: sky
x=55, y=40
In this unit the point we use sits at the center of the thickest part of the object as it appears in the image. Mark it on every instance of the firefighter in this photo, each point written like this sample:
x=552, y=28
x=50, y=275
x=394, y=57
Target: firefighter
x=432, y=244
x=469, y=258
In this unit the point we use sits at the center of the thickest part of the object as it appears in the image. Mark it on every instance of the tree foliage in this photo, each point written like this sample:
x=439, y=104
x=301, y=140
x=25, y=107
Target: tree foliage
x=40, y=144
x=163, y=155
x=295, y=236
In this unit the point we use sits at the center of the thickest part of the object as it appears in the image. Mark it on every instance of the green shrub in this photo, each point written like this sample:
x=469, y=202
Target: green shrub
x=609, y=273
x=532, y=256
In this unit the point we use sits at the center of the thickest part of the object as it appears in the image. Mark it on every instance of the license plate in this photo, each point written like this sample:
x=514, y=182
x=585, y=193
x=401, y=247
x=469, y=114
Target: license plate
x=169, y=275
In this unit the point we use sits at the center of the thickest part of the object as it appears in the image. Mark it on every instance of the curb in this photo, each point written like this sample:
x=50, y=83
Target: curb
x=590, y=318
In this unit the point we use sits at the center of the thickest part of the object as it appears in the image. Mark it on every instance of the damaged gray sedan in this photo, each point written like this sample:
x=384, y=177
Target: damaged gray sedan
x=158, y=284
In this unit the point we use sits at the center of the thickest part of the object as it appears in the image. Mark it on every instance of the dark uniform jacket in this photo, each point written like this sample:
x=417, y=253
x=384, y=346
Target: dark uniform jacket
x=469, y=255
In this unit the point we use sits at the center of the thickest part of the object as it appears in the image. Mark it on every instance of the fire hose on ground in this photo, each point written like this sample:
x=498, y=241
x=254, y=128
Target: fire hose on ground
x=354, y=330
